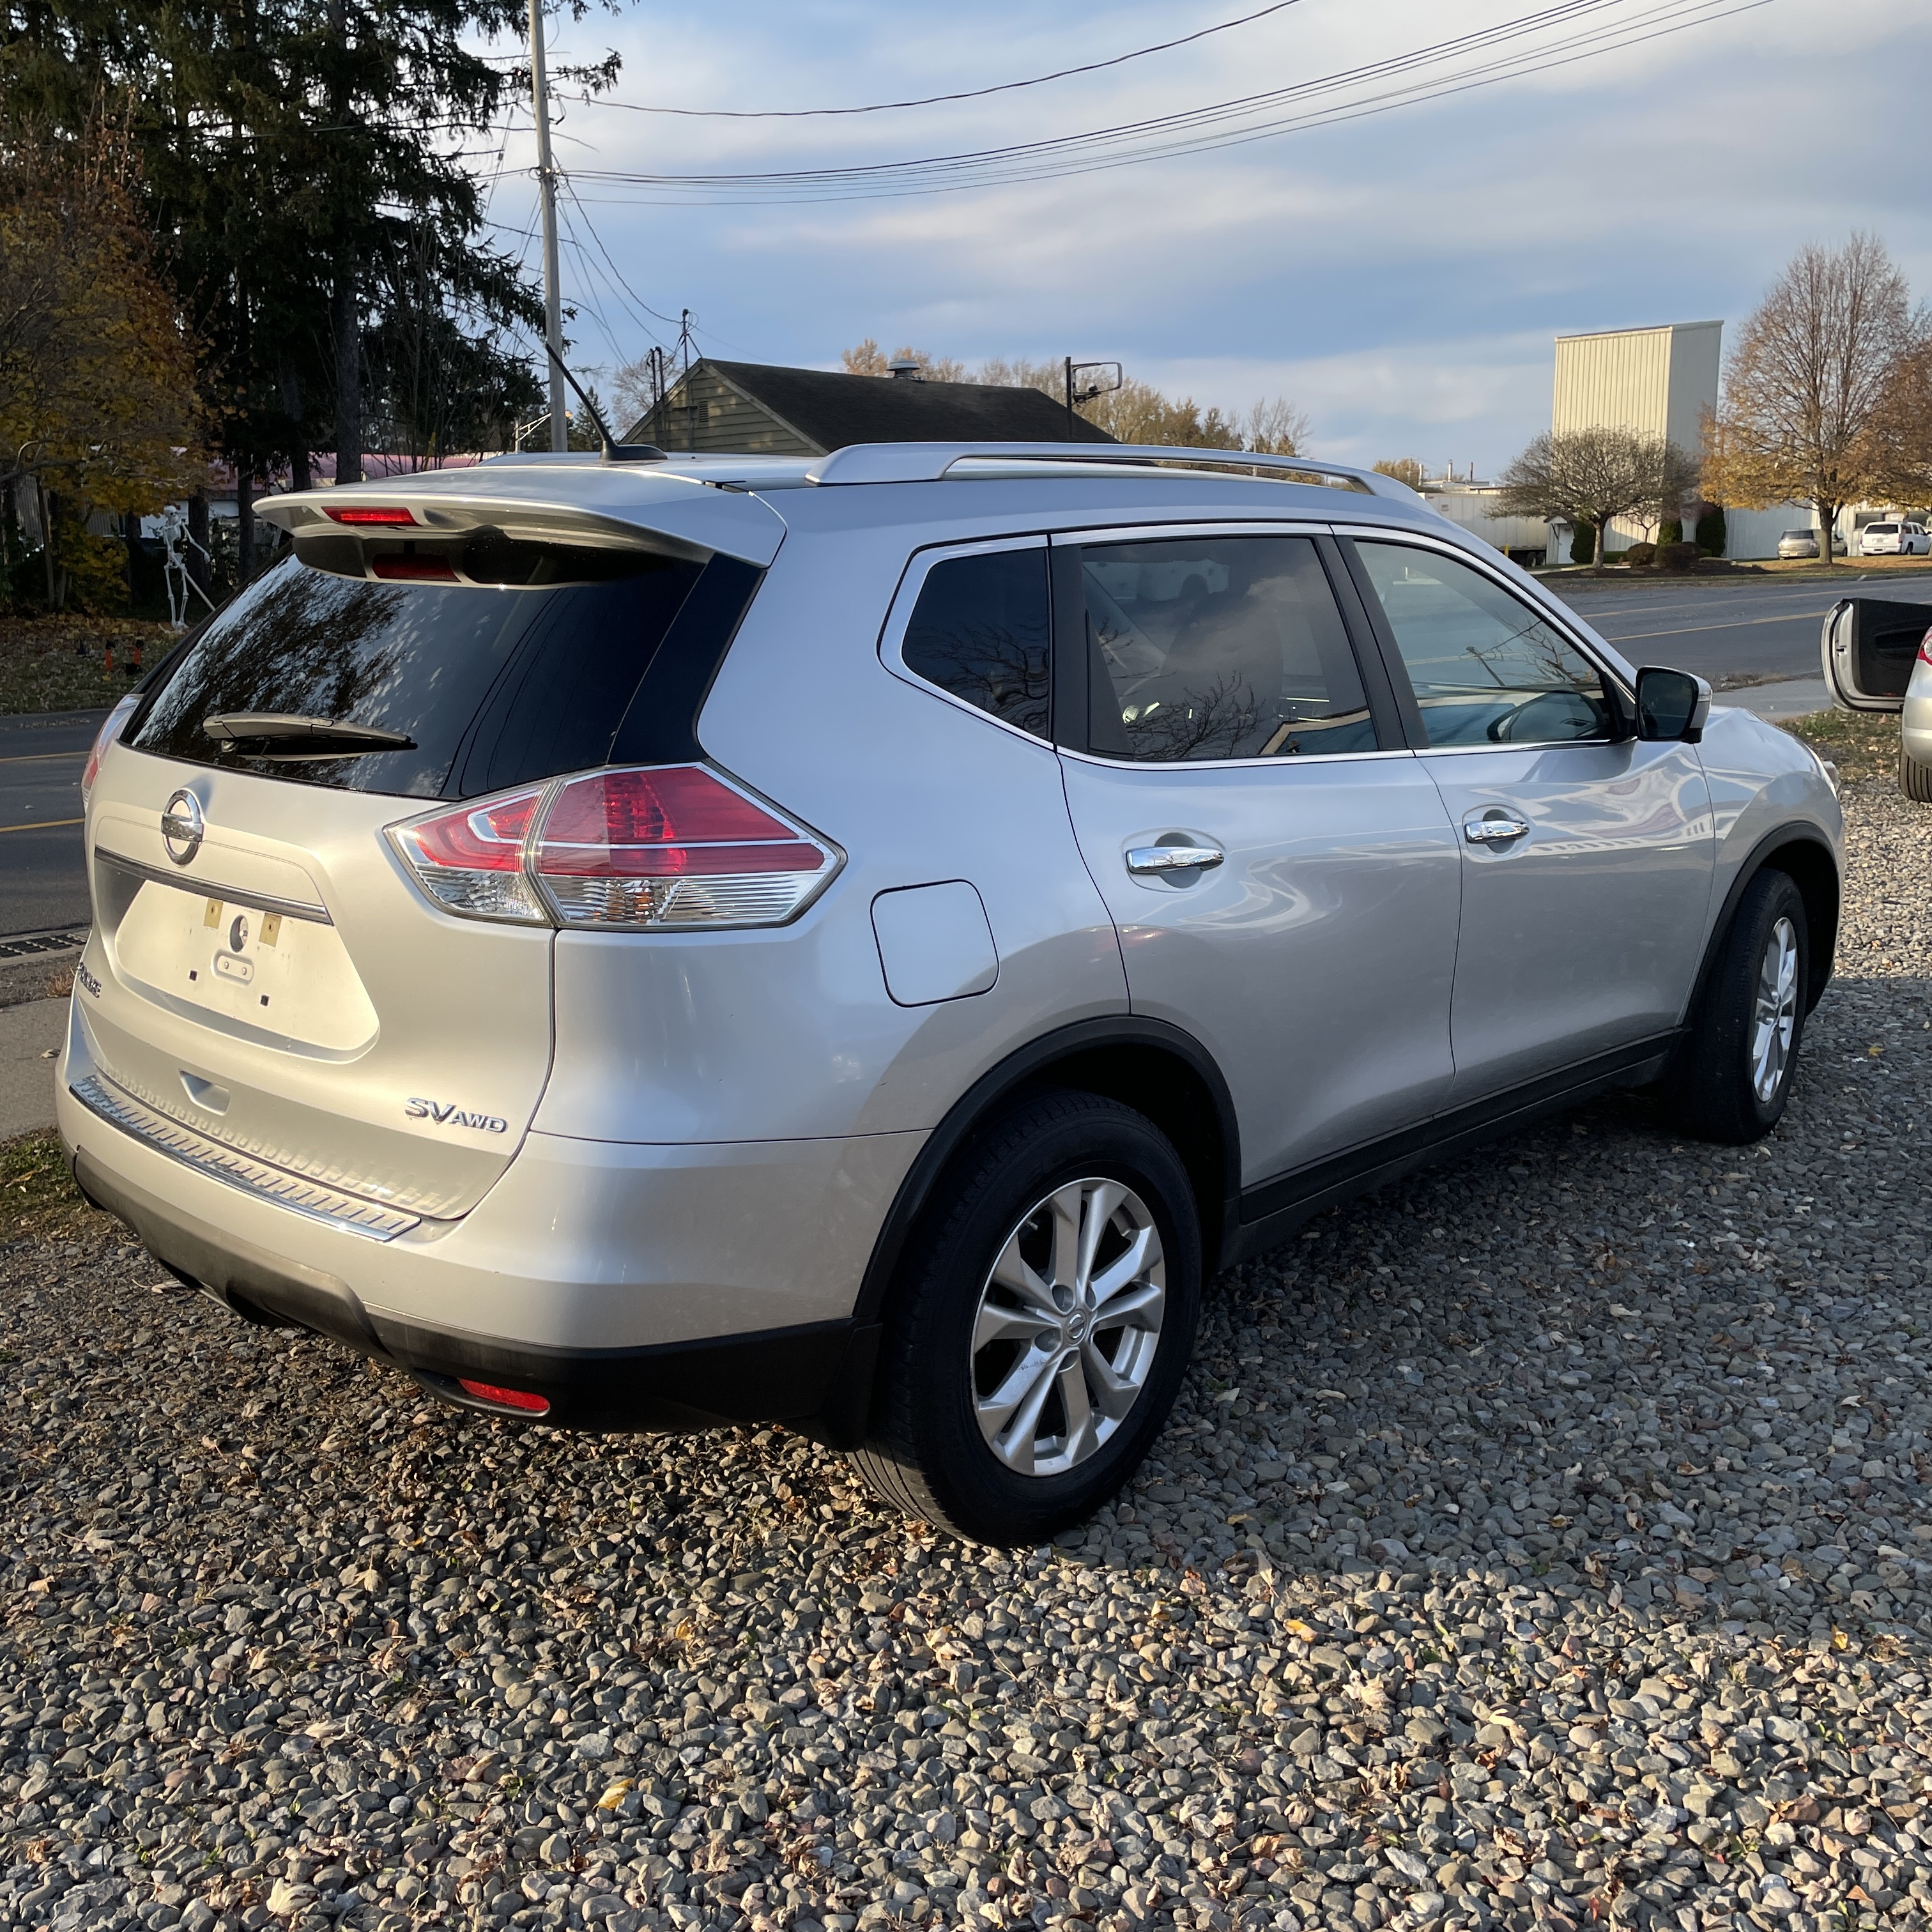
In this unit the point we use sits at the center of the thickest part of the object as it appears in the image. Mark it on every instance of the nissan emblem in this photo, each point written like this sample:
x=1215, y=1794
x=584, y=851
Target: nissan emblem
x=181, y=826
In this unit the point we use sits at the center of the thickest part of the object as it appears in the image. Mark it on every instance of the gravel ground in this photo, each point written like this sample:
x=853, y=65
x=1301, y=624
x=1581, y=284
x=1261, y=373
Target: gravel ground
x=1543, y=1541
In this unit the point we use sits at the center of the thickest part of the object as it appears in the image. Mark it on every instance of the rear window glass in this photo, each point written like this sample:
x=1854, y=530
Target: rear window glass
x=493, y=687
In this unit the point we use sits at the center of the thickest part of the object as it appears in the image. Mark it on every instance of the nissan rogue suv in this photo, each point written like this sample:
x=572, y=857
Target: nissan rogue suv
x=857, y=942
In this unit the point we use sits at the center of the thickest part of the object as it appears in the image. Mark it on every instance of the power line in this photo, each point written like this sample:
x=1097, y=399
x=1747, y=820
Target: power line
x=1216, y=124
x=637, y=301
x=936, y=99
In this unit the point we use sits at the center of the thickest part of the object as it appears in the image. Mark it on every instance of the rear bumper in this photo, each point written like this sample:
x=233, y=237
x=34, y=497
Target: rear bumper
x=800, y=1375
x=631, y=1287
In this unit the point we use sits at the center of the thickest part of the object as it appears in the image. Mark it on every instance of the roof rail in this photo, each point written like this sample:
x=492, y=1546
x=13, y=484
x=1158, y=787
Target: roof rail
x=930, y=462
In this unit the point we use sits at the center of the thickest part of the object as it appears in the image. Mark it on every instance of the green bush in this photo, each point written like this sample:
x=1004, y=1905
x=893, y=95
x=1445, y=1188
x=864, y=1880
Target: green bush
x=1711, y=533
x=1678, y=557
x=1583, y=544
x=1670, y=531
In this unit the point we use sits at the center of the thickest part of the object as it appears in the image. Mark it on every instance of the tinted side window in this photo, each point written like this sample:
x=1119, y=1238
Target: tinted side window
x=1485, y=668
x=1218, y=647
x=980, y=630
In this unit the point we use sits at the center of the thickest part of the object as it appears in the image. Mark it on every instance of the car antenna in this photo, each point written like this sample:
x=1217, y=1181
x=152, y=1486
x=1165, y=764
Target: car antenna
x=614, y=451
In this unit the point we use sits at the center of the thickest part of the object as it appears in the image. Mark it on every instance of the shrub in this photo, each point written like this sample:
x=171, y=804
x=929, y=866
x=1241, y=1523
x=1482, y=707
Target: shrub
x=1669, y=531
x=1678, y=557
x=1583, y=544
x=1711, y=533
x=1640, y=556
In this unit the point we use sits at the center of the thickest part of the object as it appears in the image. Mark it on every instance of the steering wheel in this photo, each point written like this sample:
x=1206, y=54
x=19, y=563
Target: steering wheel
x=1543, y=718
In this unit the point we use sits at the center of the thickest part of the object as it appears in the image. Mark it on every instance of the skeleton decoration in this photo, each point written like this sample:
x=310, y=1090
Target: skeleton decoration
x=174, y=566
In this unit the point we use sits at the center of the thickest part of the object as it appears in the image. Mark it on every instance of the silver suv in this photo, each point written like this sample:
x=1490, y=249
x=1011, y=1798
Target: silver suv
x=856, y=942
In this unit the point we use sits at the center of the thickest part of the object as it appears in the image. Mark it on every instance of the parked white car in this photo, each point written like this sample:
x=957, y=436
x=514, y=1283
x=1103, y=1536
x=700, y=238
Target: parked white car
x=1895, y=537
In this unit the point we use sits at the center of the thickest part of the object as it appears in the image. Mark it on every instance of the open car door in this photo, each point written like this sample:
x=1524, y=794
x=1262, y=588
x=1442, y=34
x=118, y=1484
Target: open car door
x=1868, y=646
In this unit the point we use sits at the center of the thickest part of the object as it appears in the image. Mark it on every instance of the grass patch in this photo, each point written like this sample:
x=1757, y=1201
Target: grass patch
x=60, y=663
x=1862, y=744
x=38, y=1200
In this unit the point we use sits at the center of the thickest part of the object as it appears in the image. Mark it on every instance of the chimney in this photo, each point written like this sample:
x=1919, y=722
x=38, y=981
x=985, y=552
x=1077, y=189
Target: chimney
x=906, y=369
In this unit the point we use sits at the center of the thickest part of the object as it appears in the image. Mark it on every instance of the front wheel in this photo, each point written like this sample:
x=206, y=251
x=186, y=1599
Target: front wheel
x=1735, y=1077
x=1041, y=1325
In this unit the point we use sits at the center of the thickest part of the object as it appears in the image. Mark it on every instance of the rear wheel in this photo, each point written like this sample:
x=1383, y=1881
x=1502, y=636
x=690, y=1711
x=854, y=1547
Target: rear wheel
x=1041, y=1325
x=1736, y=1076
x=1915, y=779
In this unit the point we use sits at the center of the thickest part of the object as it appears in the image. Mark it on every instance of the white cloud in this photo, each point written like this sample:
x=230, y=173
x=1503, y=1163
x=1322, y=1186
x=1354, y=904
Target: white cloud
x=1400, y=276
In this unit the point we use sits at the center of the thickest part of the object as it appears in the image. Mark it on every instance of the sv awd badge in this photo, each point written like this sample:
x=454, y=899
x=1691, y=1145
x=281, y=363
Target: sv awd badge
x=447, y=1116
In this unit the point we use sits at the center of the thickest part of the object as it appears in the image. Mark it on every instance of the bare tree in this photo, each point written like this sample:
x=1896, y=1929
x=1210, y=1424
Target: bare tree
x=1590, y=475
x=1275, y=427
x=1815, y=406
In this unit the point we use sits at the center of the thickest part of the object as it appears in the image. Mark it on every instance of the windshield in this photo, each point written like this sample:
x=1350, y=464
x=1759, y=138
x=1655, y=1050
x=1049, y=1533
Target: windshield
x=491, y=687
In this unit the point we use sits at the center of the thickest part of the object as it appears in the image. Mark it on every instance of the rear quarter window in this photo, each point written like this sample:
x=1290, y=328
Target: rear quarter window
x=980, y=630
x=495, y=686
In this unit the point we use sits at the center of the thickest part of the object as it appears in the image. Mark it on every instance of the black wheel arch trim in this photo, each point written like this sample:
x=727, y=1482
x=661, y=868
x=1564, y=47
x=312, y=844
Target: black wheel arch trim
x=1033, y=1066
x=1822, y=945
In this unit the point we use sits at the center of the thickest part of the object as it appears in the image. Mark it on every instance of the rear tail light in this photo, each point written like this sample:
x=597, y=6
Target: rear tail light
x=521, y=1400
x=105, y=736
x=471, y=859
x=414, y=570
x=1925, y=648
x=657, y=847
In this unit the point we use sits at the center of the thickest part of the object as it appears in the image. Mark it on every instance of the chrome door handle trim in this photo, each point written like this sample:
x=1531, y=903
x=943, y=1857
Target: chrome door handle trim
x=1143, y=860
x=1493, y=831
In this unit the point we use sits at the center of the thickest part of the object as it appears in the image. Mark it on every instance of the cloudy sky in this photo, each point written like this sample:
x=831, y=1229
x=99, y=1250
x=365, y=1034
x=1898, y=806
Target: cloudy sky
x=1399, y=275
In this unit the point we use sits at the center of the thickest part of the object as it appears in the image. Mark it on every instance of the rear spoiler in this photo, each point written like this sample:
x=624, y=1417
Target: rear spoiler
x=652, y=510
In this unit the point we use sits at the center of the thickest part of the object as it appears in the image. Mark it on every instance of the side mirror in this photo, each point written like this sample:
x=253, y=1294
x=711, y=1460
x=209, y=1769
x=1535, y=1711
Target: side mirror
x=1671, y=706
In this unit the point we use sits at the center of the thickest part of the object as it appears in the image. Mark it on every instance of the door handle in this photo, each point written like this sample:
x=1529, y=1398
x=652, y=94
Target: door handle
x=1146, y=861
x=1493, y=831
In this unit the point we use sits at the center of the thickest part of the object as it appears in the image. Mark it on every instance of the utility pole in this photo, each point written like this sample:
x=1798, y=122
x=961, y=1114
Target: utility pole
x=559, y=422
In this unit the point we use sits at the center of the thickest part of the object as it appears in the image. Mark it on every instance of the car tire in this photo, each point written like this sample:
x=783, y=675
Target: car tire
x=1735, y=1075
x=1915, y=780
x=970, y=1431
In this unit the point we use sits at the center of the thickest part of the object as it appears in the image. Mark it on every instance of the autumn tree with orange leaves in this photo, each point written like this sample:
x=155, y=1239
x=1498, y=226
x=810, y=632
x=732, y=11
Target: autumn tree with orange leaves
x=98, y=410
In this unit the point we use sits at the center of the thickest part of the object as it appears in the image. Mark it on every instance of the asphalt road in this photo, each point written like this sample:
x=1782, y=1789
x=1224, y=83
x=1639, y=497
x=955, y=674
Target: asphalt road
x=41, y=882
x=1727, y=630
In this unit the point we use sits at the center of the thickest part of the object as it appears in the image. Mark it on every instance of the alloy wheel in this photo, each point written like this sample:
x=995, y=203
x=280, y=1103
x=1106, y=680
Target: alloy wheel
x=1774, y=1011
x=1068, y=1326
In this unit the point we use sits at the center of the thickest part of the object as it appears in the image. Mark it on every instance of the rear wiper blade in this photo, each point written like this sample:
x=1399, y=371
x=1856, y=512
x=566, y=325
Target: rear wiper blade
x=287, y=734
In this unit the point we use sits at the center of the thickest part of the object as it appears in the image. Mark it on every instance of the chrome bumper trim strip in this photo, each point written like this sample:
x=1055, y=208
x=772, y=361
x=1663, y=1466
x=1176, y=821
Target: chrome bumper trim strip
x=200, y=888
x=328, y=1205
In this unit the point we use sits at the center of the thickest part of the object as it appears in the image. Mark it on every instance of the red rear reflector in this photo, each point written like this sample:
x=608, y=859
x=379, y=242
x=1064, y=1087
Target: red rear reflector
x=372, y=513
x=1925, y=648
x=413, y=570
x=505, y=1398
